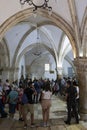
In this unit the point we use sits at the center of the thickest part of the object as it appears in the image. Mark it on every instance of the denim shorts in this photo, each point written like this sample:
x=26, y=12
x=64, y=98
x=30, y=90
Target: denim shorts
x=12, y=108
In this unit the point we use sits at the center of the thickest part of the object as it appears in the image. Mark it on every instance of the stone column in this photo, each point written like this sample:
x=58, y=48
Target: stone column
x=10, y=73
x=81, y=68
x=60, y=72
x=5, y=74
x=16, y=73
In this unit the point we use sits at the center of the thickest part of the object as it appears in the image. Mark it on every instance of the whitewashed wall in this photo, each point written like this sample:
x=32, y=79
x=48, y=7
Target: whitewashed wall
x=21, y=63
x=65, y=67
x=49, y=75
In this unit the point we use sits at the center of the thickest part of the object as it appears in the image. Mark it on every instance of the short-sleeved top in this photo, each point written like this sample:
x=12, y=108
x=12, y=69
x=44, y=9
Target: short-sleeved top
x=72, y=93
x=13, y=97
x=37, y=87
x=29, y=93
x=47, y=94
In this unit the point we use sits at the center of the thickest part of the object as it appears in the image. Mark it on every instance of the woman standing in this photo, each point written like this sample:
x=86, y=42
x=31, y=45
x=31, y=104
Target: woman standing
x=46, y=103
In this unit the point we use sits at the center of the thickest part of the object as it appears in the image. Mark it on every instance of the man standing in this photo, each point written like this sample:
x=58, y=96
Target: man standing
x=29, y=92
x=71, y=94
x=75, y=84
x=12, y=99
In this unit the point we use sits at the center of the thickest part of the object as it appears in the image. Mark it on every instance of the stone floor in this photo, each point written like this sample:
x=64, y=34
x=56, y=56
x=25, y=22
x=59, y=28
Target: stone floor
x=57, y=117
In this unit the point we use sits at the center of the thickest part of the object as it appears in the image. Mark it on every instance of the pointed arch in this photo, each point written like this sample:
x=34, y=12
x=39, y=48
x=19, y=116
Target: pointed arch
x=84, y=33
x=6, y=56
x=28, y=48
x=56, y=19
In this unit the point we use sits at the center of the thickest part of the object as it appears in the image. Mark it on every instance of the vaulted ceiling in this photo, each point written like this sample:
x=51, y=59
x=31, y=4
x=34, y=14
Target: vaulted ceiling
x=21, y=34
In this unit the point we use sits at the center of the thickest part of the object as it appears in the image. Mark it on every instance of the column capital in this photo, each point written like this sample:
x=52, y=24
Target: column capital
x=59, y=71
x=80, y=64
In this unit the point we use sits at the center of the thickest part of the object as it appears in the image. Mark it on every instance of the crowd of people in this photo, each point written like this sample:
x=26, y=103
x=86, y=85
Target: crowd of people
x=23, y=95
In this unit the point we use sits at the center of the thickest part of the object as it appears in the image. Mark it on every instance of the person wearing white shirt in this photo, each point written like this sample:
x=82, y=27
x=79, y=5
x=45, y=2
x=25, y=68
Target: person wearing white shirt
x=46, y=103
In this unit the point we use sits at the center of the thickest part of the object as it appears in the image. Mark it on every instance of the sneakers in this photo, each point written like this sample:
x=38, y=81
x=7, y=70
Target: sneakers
x=77, y=122
x=32, y=125
x=47, y=124
x=25, y=126
x=66, y=122
x=43, y=125
x=20, y=119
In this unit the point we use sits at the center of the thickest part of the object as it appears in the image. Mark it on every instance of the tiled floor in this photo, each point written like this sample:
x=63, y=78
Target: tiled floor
x=57, y=117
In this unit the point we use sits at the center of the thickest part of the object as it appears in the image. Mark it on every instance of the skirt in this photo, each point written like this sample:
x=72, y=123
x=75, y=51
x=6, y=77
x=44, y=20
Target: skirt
x=46, y=103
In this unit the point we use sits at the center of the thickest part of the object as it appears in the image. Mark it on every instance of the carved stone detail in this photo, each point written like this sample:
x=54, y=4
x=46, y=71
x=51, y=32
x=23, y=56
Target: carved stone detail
x=81, y=67
x=81, y=64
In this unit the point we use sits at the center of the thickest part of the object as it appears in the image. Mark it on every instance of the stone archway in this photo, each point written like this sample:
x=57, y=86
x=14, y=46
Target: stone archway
x=4, y=59
x=54, y=20
x=26, y=50
x=57, y=20
x=84, y=34
x=81, y=64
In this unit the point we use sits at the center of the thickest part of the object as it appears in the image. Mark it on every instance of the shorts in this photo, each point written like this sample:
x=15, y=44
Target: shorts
x=46, y=103
x=12, y=108
x=28, y=108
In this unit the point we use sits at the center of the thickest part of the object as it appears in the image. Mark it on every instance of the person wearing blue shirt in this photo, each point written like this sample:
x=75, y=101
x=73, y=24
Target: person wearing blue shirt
x=12, y=99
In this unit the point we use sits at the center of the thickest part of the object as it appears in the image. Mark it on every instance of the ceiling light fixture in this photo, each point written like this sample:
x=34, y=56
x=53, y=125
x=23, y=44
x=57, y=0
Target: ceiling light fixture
x=37, y=49
x=38, y=4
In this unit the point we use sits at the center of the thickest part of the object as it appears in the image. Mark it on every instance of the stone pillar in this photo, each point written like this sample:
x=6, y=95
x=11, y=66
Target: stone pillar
x=10, y=73
x=5, y=74
x=60, y=72
x=13, y=74
x=81, y=68
x=16, y=73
